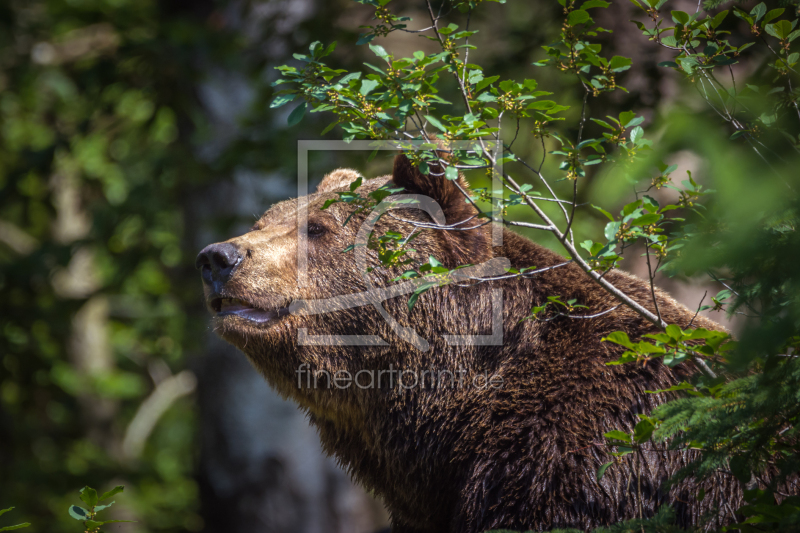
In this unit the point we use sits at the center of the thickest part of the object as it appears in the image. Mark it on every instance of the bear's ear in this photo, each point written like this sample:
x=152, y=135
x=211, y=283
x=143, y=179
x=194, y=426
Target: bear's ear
x=446, y=192
x=340, y=178
x=464, y=245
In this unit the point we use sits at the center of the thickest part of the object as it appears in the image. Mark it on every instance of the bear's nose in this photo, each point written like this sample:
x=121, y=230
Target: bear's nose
x=218, y=261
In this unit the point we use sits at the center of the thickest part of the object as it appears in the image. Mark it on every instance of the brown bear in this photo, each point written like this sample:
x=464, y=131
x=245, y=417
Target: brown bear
x=459, y=437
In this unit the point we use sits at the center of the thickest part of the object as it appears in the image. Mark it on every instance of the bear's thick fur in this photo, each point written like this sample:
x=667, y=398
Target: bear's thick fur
x=455, y=456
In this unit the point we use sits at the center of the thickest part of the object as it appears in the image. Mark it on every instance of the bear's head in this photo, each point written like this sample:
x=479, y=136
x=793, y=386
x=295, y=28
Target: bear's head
x=260, y=286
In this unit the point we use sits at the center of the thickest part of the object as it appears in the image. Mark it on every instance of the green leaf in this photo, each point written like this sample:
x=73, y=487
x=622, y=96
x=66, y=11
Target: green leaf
x=643, y=431
x=78, y=513
x=101, y=507
x=435, y=122
x=485, y=82
x=602, y=123
x=112, y=492
x=541, y=104
x=619, y=337
x=780, y=29
x=451, y=173
x=474, y=76
x=368, y=86
x=618, y=435
x=506, y=85
x=17, y=526
x=680, y=17
x=589, y=4
x=297, y=114
x=773, y=14
x=282, y=99
x=759, y=11
x=784, y=28
x=379, y=51
x=650, y=203
x=579, y=16
x=611, y=230
x=329, y=127
x=606, y=213
x=717, y=20
x=646, y=220
x=602, y=470
x=682, y=386
x=4, y=511
x=329, y=50
x=674, y=332
x=626, y=117
x=449, y=29
x=416, y=294
x=89, y=496
x=619, y=64
x=624, y=450
x=364, y=38
x=743, y=15
x=644, y=347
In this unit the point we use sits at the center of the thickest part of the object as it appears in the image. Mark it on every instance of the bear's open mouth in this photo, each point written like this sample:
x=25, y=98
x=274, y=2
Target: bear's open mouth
x=237, y=307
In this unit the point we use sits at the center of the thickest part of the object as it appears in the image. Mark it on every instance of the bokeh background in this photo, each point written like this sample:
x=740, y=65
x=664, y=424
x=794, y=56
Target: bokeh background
x=133, y=133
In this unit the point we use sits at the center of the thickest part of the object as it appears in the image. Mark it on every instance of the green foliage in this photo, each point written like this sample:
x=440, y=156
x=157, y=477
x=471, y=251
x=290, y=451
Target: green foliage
x=11, y=528
x=88, y=516
x=703, y=51
x=106, y=154
x=99, y=146
x=740, y=410
x=559, y=308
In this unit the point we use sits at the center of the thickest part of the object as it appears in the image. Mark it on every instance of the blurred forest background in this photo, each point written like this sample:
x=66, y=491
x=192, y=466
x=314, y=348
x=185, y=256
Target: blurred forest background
x=133, y=133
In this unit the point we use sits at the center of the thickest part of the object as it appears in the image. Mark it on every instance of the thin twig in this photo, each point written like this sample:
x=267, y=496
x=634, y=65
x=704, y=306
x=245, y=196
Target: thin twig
x=442, y=227
x=527, y=225
x=527, y=274
x=700, y=305
x=601, y=313
x=651, y=276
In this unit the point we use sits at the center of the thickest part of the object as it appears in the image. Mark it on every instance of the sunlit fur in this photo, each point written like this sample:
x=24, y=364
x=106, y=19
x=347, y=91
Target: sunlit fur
x=444, y=460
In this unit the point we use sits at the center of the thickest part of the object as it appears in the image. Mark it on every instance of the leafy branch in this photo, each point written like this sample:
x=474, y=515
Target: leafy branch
x=91, y=499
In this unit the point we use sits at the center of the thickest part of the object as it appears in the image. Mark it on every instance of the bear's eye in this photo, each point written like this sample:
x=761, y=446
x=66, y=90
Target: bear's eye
x=315, y=229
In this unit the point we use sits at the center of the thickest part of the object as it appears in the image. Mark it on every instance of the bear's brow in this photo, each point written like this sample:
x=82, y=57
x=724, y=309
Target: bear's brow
x=277, y=211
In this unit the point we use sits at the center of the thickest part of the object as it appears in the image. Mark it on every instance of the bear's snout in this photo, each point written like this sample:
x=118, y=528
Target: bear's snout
x=217, y=262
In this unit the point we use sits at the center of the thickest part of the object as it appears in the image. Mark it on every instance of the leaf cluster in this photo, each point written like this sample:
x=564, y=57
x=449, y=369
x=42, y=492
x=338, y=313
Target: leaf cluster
x=88, y=514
